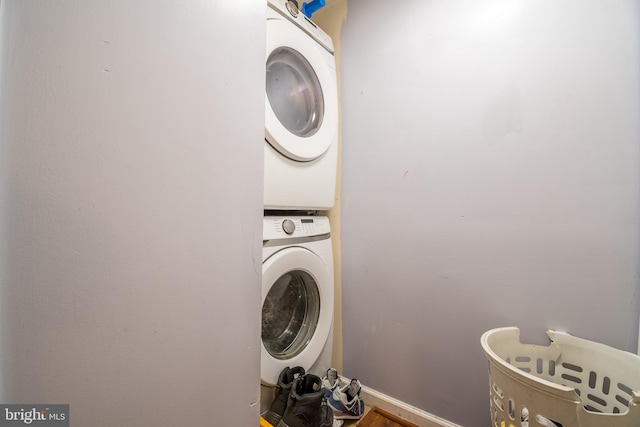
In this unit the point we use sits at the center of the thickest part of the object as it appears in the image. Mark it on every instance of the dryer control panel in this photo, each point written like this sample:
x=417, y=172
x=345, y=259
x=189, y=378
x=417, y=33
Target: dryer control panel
x=283, y=227
x=290, y=12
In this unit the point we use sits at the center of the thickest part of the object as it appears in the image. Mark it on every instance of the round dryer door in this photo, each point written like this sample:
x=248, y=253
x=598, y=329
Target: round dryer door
x=297, y=311
x=301, y=93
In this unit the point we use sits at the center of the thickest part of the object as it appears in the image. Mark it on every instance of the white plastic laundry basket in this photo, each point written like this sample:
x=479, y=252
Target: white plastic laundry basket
x=570, y=383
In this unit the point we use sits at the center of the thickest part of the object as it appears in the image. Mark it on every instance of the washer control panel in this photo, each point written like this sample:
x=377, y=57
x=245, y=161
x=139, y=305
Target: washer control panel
x=282, y=227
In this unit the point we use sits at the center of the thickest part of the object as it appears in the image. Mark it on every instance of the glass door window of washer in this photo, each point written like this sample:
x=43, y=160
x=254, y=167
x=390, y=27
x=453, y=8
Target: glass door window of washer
x=290, y=314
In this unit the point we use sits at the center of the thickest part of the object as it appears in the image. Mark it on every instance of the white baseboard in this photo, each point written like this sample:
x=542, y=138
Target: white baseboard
x=403, y=410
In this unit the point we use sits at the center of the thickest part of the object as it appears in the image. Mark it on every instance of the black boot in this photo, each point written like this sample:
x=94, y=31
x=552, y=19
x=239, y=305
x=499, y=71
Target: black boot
x=283, y=389
x=306, y=406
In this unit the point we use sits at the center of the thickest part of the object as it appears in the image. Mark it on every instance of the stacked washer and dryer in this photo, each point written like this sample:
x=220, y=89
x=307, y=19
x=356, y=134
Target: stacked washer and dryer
x=300, y=164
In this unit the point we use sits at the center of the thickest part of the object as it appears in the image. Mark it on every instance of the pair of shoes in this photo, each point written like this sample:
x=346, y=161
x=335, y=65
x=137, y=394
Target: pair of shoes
x=305, y=405
x=345, y=402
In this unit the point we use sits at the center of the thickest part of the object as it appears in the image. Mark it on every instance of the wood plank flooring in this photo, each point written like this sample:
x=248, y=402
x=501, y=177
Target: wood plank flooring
x=377, y=417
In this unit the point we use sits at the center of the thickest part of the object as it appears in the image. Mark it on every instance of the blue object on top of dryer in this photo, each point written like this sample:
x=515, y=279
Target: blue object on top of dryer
x=301, y=112
x=312, y=7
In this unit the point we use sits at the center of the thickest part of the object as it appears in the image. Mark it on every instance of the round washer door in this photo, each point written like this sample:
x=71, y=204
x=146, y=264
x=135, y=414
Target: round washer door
x=297, y=311
x=301, y=106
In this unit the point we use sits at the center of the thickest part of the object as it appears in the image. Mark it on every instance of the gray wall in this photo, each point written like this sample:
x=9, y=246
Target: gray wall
x=490, y=178
x=130, y=210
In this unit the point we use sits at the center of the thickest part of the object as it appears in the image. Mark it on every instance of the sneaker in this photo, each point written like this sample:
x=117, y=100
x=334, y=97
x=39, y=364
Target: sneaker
x=330, y=382
x=346, y=402
x=283, y=388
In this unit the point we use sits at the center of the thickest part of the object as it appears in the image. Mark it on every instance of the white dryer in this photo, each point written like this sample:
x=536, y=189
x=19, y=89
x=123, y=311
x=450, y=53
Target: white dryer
x=301, y=112
x=297, y=298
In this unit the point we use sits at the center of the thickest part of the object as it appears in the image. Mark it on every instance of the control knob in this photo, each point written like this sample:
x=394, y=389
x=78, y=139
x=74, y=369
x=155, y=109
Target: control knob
x=288, y=226
x=292, y=7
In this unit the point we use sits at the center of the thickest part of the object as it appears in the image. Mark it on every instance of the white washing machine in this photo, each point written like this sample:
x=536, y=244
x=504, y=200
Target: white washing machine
x=301, y=112
x=297, y=298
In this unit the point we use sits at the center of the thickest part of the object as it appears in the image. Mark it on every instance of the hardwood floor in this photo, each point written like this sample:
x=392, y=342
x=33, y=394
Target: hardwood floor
x=379, y=418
